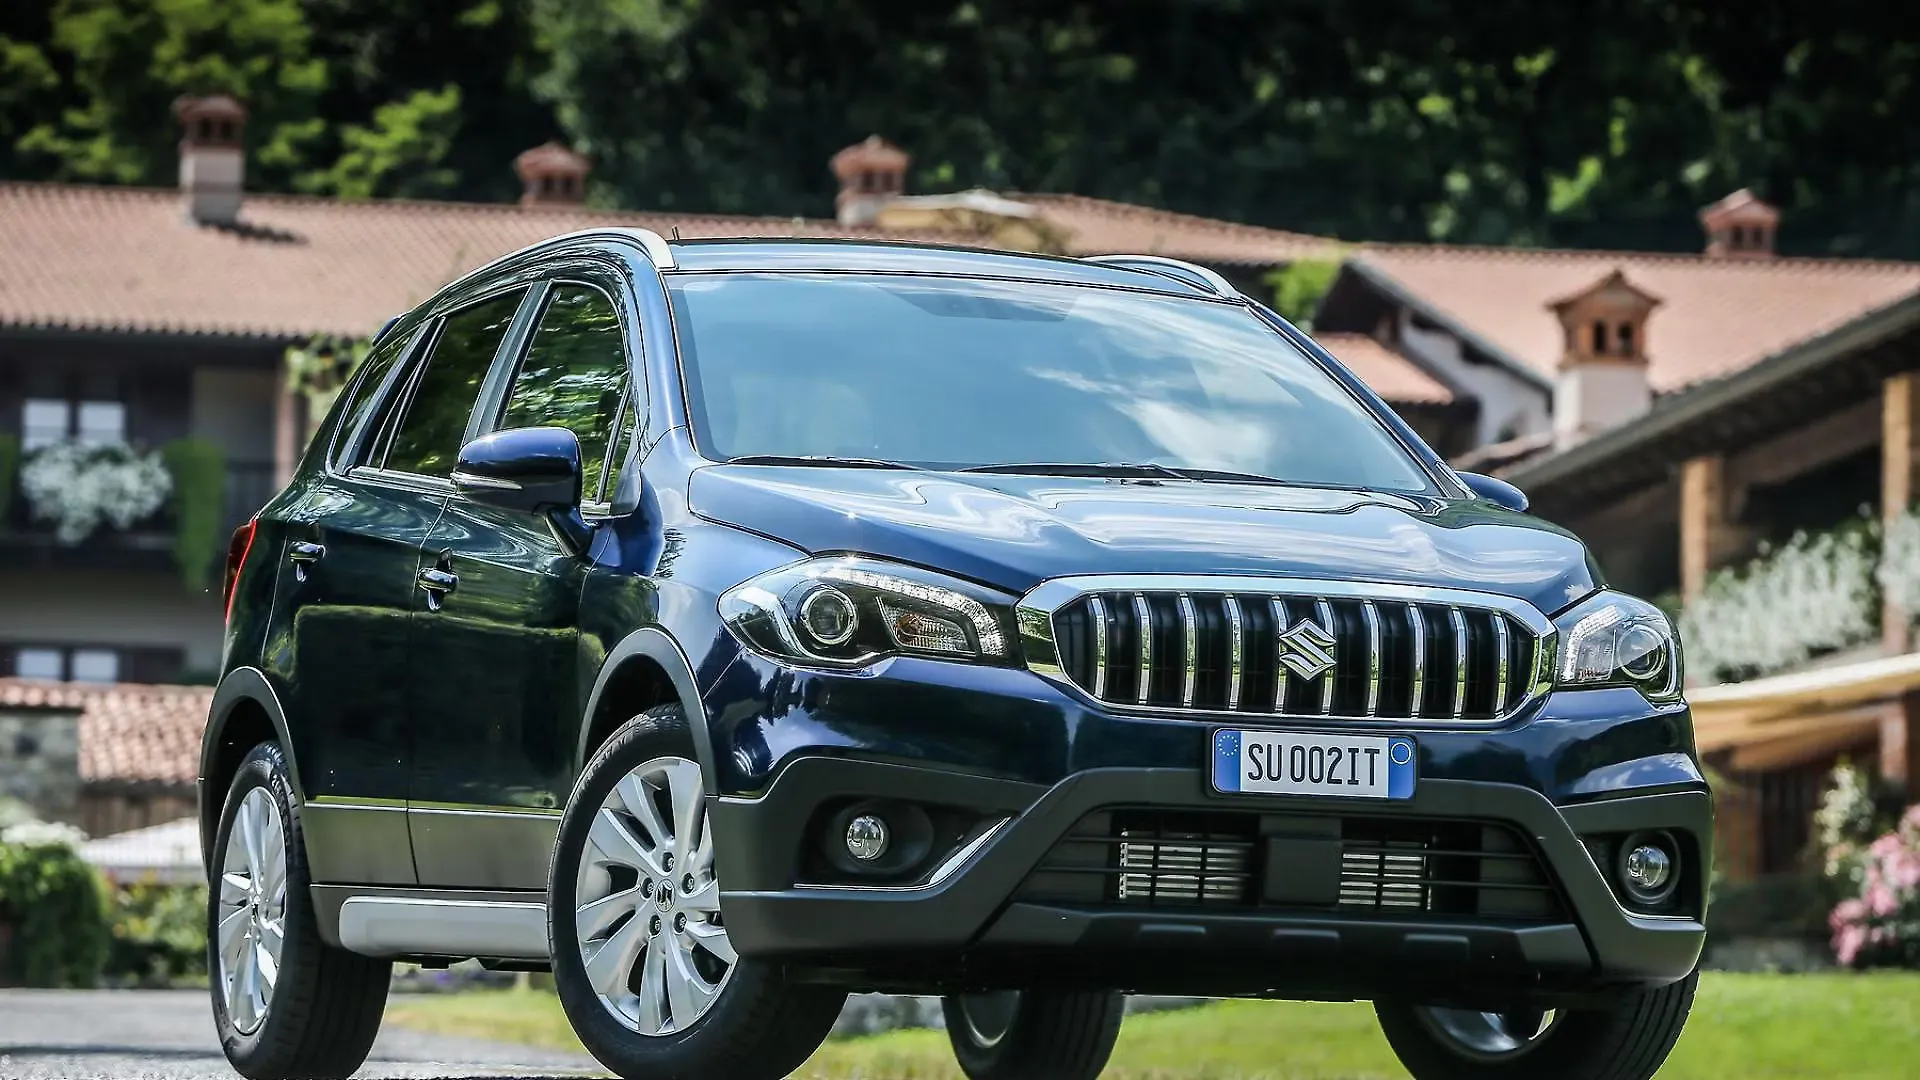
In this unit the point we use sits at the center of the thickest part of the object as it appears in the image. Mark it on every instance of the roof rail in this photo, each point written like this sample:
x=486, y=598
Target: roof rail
x=1191, y=273
x=658, y=253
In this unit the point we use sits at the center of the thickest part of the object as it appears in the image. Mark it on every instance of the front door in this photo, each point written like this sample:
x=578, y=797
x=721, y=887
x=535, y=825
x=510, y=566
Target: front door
x=499, y=646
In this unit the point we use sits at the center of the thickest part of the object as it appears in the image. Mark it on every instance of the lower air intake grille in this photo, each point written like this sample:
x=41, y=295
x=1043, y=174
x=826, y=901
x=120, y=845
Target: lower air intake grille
x=1126, y=858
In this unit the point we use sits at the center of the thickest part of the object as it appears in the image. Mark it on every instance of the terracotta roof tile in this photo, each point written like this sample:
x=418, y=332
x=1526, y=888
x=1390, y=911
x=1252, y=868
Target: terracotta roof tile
x=128, y=733
x=106, y=258
x=1391, y=375
x=1717, y=315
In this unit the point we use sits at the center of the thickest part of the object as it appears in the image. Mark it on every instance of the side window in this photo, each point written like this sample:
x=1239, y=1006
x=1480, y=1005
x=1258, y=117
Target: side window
x=574, y=376
x=427, y=439
x=366, y=394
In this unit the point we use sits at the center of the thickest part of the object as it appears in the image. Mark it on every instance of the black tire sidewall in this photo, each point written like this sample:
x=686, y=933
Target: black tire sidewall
x=264, y=768
x=714, y=1041
x=1063, y=1034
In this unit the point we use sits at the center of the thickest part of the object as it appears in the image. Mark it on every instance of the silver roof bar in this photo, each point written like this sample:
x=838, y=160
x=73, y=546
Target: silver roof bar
x=1191, y=273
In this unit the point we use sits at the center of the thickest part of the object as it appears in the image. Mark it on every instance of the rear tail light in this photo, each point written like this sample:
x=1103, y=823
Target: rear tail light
x=237, y=549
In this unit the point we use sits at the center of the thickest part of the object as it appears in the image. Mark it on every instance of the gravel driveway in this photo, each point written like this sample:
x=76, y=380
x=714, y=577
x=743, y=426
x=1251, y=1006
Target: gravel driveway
x=169, y=1034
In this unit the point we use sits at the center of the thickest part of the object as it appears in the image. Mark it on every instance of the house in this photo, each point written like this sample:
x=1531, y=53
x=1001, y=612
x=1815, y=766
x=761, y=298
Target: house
x=163, y=319
x=106, y=759
x=1688, y=416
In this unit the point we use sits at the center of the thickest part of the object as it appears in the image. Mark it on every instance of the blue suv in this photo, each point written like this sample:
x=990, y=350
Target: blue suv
x=726, y=626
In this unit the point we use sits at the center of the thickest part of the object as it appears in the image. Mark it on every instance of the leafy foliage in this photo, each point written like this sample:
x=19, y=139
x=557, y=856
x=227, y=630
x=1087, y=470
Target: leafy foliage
x=1732, y=629
x=81, y=487
x=199, y=472
x=1298, y=287
x=56, y=908
x=9, y=469
x=159, y=933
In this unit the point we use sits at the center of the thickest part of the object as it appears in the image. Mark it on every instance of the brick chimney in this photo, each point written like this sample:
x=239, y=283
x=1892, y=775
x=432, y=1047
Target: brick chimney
x=1602, y=380
x=552, y=175
x=1740, y=226
x=870, y=172
x=212, y=164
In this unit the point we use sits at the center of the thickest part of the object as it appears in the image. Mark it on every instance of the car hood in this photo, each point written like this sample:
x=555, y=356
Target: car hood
x=1014, y=532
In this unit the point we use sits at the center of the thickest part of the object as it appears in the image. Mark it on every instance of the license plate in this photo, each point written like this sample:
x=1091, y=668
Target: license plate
x=1299, y=763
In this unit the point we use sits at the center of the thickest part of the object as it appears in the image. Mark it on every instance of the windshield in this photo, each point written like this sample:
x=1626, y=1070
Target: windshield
x=950, y=373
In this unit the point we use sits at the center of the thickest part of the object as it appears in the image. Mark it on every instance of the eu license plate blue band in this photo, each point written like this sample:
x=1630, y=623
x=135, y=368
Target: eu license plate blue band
x=1254, y=762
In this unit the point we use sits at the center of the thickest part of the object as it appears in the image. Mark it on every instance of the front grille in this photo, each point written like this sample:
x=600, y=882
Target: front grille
x=1218, y=860
x=1260, y=653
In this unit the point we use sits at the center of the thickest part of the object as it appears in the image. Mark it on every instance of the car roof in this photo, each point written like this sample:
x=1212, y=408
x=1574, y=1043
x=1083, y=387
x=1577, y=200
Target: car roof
x=874, y=256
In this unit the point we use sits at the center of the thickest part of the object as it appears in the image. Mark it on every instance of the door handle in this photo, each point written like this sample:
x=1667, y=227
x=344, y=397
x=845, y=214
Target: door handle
x=303, y=554
x=437, y=583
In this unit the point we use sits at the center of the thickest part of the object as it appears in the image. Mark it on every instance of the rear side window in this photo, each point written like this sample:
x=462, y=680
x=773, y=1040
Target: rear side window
x=574, y=375
x=366, y=394
x=427, y=439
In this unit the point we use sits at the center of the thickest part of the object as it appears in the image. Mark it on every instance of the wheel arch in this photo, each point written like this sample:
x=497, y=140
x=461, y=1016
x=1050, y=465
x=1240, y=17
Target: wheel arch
x=645, y=669
x=245, y=713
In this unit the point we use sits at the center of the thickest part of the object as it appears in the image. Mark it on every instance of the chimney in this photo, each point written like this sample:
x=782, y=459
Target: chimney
x=1602, y=380
x=212, y=164
x=552, y=175
x=870, y=173
x=1740, y=226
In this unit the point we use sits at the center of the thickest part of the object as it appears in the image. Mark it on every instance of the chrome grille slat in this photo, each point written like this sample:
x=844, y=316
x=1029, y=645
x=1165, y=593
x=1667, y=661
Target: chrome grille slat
x=1190, y=650
x=1276, y=647
x=1097, y=610
x=1372, y=618
x=1144, y=612
x=1325, y=611
x=1500, y=681
x=1415, y=699
x=1236, y=651
x=1459, y=661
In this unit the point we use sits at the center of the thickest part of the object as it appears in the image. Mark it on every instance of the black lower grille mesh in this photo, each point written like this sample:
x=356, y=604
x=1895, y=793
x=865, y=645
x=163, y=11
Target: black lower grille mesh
x=1137, y=858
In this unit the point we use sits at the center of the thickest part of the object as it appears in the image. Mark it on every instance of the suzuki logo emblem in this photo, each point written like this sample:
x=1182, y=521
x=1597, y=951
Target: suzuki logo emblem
x=1307, y=650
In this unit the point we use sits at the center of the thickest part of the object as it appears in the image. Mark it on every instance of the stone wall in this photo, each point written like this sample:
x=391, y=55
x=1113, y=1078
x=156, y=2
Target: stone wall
x=40, y=761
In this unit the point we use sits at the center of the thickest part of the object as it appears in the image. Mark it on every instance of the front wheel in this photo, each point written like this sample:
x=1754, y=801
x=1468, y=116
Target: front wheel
x=1628, y=1038
x=1033, y=1035
x=641, y=958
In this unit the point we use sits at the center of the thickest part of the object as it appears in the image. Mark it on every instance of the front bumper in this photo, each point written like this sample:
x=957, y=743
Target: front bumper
x=1579, y=765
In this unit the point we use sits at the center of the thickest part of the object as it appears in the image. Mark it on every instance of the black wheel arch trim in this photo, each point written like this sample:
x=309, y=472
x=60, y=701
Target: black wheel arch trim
x=240, y=686
x=653, y=643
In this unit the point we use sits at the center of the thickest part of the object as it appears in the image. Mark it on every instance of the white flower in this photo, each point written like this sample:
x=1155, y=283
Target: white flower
x=1811, y=595
x=79, y=487
x=42, y=834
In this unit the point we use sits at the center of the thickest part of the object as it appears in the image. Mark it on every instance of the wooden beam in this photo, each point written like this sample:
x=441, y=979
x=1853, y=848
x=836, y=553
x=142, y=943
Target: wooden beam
x=1704, y=524
x=1806, y=448
x=1799, y=749
x=1899, y=478
x=1900, y=743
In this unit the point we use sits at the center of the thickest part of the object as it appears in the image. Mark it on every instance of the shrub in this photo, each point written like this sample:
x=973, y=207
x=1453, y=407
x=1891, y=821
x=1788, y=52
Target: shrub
x=9, y=465
x=159, y=933
x=1880, y=927
x=199, y=472
x=56, y=907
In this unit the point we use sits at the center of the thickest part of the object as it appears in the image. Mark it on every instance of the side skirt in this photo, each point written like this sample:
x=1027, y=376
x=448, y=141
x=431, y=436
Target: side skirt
x=454, y=924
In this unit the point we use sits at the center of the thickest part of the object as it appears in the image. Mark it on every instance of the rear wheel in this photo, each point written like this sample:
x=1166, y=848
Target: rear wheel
x=1627, y=1038
x=1033, y=1035
x=641, y=958
x=285, y=1003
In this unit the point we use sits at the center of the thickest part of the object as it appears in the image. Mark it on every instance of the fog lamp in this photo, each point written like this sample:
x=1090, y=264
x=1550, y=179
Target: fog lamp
x=868, y=837
x=1649, y=868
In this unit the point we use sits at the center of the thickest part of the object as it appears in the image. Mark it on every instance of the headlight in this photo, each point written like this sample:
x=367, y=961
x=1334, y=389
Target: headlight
x=848, y=612
x=1616, y=640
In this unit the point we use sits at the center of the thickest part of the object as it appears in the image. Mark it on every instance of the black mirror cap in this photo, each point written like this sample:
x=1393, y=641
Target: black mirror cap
x=535, y=470
x=1496, y=491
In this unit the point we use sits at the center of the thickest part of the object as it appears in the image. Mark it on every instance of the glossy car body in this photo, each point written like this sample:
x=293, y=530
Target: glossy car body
x=435, y=732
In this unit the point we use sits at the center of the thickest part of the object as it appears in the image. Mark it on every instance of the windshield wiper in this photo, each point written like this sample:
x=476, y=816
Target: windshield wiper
x=818, y=459
x=1082, y=468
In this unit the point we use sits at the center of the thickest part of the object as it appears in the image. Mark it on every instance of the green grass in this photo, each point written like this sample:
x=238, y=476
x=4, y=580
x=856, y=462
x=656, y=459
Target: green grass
x=1755, y=1027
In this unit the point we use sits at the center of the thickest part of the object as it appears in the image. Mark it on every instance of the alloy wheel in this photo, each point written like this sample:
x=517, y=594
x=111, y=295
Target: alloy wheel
x=1490, y=1036
x=253, y=910
x=647, y=906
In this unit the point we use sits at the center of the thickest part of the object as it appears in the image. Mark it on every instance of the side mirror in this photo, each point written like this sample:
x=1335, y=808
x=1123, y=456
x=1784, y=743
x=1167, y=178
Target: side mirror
x=1495, y=491
x=531, y=470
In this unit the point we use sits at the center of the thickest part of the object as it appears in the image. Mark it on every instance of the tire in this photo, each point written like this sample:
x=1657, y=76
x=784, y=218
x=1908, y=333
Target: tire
x=325, y=1004
x=1626, y=1039
x=1033, y=1035
x=755, y=1025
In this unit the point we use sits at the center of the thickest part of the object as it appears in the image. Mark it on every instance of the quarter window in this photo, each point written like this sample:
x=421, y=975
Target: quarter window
x=427, y=440
x=366, y=392
x=574, y=376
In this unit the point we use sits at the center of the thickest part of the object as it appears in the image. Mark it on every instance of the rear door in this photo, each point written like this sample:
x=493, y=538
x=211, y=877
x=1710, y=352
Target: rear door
x=336, y=649
x=500, y=647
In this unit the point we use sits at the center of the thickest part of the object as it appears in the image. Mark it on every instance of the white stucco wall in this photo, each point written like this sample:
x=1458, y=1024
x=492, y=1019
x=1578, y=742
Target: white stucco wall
x=1509, y=404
